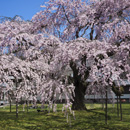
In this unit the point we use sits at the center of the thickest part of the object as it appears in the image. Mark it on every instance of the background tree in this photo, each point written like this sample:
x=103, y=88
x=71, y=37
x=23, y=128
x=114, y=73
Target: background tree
x=36, y=50
x=17, y=75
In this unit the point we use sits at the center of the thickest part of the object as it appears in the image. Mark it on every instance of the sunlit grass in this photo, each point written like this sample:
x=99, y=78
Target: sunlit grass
x=93, y=119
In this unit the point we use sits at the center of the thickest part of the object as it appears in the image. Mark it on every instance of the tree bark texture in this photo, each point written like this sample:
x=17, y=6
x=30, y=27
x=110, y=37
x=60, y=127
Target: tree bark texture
x=80, y=89
x=78, y=103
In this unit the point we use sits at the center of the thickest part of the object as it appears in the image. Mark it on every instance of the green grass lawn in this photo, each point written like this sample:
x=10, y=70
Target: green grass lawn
x=93, y=119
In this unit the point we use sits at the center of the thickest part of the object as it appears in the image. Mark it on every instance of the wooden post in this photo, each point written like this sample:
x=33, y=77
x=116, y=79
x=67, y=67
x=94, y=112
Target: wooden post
x=16, y=108
x=120, y=108
x=106, y=107
x=27, y=105
x=16, y=101
x=9, y=98
x=117, y=107
x=10, y=104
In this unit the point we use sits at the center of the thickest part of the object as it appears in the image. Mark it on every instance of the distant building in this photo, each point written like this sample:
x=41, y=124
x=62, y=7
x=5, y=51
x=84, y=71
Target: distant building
x=125, y=95
x=3, y=95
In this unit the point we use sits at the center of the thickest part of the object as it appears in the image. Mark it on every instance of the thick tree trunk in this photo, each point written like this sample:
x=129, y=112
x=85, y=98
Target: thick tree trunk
x=80, y=89
x=78, y=103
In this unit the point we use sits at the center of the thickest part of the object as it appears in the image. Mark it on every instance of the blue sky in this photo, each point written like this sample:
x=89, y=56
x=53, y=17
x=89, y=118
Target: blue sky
x=24, y=8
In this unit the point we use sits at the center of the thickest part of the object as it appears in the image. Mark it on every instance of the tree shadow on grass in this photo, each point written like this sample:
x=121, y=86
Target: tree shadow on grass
x=90, y=120
x=85, y=120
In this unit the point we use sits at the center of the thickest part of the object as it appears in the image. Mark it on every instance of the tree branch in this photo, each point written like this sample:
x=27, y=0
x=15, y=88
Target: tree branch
x=66, y=15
